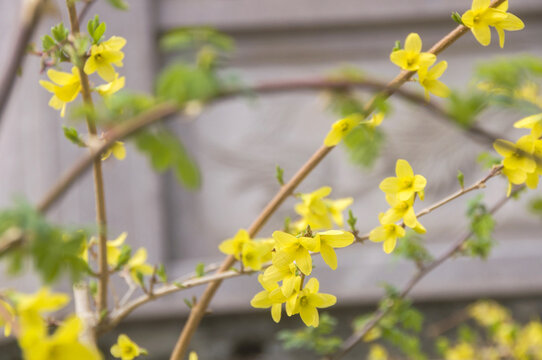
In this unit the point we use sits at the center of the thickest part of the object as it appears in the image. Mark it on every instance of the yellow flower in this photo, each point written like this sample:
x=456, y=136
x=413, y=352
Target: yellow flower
x=63, y=344
x=111, y=87
x=255, y=253
x=400, y=210
x=319, y=212
x=271, y=297
x=462, y=351
x=406, y=184
x=6, y=317
x=411, y=58
x=136, y=265
x=533, y=122
x=480, y=17
x=234, y=246
x=429, y=80
x=126, y=349
x=529, y=342
x=117, y=149
x=193, y=355
x=64, y=86
x=113, y=249
x=287, y=274
x=388, y=234
x=377, y=352
x=510, y=23
x=488, y=313
x=333, y=239
x=290, y=248
x=374, y=121
x=341, y=128
x=309, y=300
x=104, y=56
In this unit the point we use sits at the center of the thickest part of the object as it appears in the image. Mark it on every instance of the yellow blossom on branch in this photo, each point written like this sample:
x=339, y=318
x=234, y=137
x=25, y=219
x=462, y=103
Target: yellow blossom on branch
x=126, y=349
x=104, y=56
x=510, y=23
x=406, y=184
x=533, y=122
x=137, y=265
x=64, y=86
x=341, y=128
x=234, y=246
x=111, y=87
x=309, y=300
x=374, y=121
x=117, y=149
x=318, y=212
x=290, y=248
x=287, y=274
x=428, y=78
x=412, y=58
x=388, y=233
x=333, y=239
x=256, y=253
x=271, y=297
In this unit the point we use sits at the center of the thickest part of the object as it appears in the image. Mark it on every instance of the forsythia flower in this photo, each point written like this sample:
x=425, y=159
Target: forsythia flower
x=63, y=344
x=406, y=184
x=400, y=210
x=333, y=239
x=374, y=121
x=271, y=296
x=388, y=234
x=287, y=274
x=111, y=87
x=377, y=352
x=480, y=17
x=341, y=128
x=411, y=58
x=256, y=253
x=126, y=349
x=290, y=248
x=533, y=122
x=529, y=344
x=6, y=317
x=193, y=355
x=64, y=86
x=429, y=80
x=488, y=313
x=136, y=265
x=117, y=149
x=318, y=212
x=104, y=56
x=462, y=351
x=234, y=246
x=308, y=300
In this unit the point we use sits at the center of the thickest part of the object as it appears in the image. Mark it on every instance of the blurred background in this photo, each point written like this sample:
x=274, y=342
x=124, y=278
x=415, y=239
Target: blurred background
x=237, y=144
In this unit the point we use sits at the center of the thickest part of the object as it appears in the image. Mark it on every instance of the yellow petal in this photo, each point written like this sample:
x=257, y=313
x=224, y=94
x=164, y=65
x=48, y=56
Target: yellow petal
x=309, y=315
x=403, y=169
x=480, y=4
x=276, y=312
x=413, y=43
x=329, y=256
x=303, y=261
x=482, y=34
x=337, y=238
x=323, y=300
x=389, y=245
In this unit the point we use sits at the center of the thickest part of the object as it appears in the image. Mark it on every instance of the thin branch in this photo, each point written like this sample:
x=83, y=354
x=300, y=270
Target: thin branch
x=86, y=7
x=456, y=247
x=31, y=13
x=198, y=311
x=99, y=191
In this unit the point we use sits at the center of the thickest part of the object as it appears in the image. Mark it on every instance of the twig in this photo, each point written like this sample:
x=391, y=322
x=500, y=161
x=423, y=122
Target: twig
x=197, y=312
x=86, y=7
x=456, y=247
x=101, y=217
x=31, y=13
x=84, y=312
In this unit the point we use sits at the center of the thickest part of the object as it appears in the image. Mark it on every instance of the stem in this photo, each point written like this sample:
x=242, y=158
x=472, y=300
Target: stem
x=197, y=312
x=84, y=312
x=456, y=247
x=101, y=217
x=31, y=13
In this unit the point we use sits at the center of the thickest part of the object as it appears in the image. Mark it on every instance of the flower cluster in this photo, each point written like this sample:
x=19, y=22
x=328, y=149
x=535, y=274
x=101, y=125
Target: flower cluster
x=252, y=253
x=480, y=17
x=401, y=192
x=66, y=86
x=411, y=58
x=522, y=161
x=35, y=339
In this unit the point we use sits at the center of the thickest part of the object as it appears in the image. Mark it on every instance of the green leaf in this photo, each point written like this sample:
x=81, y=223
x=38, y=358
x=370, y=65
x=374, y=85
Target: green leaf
x=182, y=83
x=461, y=179
x=47, y=43
x=200, y=269
x=364, y=145
x=166, y=152
x=279, y=175
x=72, y=135
x=411, y=247
x=457, y=18
x=397, y=45
x=487, y=160
x=119, y=4
x=161, y=273
x=464, y=107
x=482, y=225
x=188, y=303
x=60, y=33
x=124, y=256
x=352, y=220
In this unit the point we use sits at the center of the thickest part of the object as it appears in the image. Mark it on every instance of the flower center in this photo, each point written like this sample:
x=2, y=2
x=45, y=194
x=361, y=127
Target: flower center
x=303, y=301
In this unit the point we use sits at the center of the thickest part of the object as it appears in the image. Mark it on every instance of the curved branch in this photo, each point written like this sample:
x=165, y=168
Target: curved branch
x=456, y=247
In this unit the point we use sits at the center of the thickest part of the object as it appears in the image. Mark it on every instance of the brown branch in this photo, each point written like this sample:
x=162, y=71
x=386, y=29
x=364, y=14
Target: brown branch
x=456, y=247
x=197, y=312
x=31, y=13
x=86, y=7
x=99, y=191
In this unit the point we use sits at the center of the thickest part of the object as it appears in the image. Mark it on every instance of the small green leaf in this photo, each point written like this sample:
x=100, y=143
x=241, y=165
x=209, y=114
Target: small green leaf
x=119, y=4
x=461, y=179
x=72, y=135
x=352, y=220
x=200, y=269
x=60, y=33
x=179, y=285
x=188, y=303
x=487, y=160
x=457, y=18
x=93, y=287
x=161, y=273
x=139, y=278
x=279, y=173
x=47, y=43
x=397, y=45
